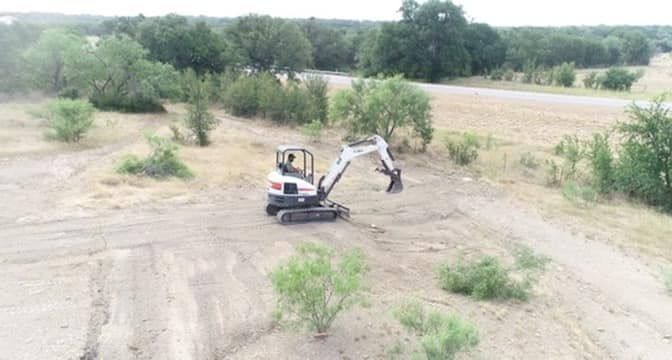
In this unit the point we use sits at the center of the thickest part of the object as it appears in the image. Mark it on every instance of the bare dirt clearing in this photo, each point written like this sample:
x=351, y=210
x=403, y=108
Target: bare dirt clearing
x=98, y=265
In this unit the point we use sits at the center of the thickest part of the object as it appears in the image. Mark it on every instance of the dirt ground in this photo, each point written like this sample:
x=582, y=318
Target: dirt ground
x=98, y=265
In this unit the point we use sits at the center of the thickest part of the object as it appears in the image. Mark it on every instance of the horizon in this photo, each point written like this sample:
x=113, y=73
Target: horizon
x=565, y=14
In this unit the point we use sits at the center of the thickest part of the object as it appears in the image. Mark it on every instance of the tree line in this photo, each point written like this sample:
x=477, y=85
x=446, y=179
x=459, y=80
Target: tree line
x=432, y=41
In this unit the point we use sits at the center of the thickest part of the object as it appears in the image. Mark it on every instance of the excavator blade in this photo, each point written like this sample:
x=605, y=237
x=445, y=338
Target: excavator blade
x=396, y=186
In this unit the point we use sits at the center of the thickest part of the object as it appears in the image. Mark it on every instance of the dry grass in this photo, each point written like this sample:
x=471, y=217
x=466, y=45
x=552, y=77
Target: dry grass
x=516, y=128
x=657, y=79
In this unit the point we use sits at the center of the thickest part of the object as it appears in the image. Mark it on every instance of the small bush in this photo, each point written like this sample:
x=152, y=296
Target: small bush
x=199, y=120
x=590, y=80
x=564, y=75
x=463, y=151
x=69, y=120
x=582, y=195
x=528, y=160
x=571, y=149
x=554, y=176
x=527, y=259
x=69, y=93
x=497, y=74
x=485, y=279
x=316, y=90
x=509, y=75
x=127, y=104
x=161, y=163
x=313, y=130
x=314, y=289
x=619, y=79
x=240, y=97
x=601, y=162
x=441, y=336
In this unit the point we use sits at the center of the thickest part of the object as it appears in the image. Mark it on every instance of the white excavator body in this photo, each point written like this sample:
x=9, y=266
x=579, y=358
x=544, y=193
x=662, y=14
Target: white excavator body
x=292, y=195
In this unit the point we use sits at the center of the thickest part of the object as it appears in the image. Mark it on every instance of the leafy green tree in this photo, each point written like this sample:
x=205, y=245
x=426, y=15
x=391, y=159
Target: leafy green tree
x=428, y=42
x=172, y=39
x=564, y=75
x=486, y=48
x=637, y=49
x=116, y=74
x=383, y=106
x=45, y=60
x=331, y=49
x=14, y=40
x=316, y=89
x=645, y=160
x=270, y=44
x=69, y=119
x=199, y=120
x=312, y=287
x=618, y=79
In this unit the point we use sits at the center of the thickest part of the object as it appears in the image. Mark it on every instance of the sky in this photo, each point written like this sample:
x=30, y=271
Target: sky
x=493, y=12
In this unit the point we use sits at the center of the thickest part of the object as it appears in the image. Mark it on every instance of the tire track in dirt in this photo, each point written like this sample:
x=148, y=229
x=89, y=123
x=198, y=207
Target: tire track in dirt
x=100, y=313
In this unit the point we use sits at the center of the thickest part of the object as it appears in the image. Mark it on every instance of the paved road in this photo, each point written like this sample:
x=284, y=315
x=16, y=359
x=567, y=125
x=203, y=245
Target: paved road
x=512, y=94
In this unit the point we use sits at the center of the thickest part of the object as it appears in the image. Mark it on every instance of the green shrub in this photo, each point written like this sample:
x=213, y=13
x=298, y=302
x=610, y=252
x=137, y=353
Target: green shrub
x=619, y=79
x=590, y=80
x=271, y=97
x=645, y=161
x=127, y=104
x=382, y=107
x=571, y=149
x=441, y=336
x=528, y=260
x=554, y=175
x=240, y=98
x=601, y=162
x=313, y=130
x=69, y=120
x=297, y=103
x=582, y=195
x=316, y=89
x=497, y=74
x=485, y=279
x=313, y=288
x=509, y=75
x=564, y=75
x=199, y=120
x=161, y=163
x=528, y=160
x=69, y=93
x=463, y=151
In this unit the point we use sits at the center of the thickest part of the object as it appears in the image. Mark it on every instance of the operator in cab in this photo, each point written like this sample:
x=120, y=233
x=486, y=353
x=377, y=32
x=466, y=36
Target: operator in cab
x=289, y=167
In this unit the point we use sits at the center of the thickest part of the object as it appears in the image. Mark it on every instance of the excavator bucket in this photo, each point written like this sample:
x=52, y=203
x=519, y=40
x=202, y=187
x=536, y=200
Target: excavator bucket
x=396, y=186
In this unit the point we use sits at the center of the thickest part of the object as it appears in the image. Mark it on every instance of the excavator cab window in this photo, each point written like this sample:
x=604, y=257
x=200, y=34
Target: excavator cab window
x=303, y=162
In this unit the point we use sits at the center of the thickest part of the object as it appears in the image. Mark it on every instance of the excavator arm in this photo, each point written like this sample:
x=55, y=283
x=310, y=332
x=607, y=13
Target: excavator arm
x=353, y=150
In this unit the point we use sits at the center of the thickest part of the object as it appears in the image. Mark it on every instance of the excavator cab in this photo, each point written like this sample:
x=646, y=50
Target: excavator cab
x=303, y=161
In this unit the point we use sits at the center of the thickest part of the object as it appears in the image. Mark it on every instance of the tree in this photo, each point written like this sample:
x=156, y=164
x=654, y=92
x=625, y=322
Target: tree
x=313, y=288
x=383, y=106
x=117, y=75
x=331, y=48
x=645, y=160
x=564, y=75
x=14, y=39
x=70, y=119
x=637, y=49
x=486, y=49
x=270, y=44
x=428, y=42
x=171, y=39
x=199, y=120
x=45, y=60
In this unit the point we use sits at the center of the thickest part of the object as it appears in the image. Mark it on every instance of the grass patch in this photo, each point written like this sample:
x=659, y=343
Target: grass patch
x=527, y=259
x=161, y=163
x=441, y=336
x=580, y=195
x=484, y=279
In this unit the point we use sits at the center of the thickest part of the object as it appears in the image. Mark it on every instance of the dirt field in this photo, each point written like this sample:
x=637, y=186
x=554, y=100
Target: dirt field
x=657, y=80
x=98, y=265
